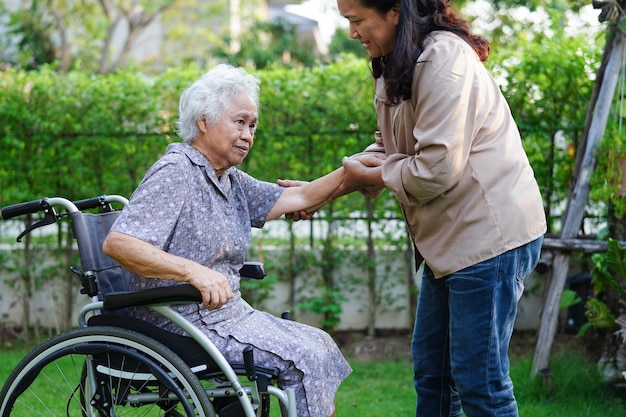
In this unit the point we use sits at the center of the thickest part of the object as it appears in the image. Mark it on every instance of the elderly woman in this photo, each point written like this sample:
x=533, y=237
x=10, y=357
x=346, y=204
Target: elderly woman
x=190, y=220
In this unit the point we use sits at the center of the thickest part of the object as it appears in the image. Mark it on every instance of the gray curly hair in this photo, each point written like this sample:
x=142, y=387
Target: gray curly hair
x=209, y=97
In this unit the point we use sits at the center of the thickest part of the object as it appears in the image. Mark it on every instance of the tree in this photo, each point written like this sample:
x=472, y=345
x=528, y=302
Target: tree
x=34, y=45
x=136, y=16
x=99, y=35
x=341, y=43
x=270, y=43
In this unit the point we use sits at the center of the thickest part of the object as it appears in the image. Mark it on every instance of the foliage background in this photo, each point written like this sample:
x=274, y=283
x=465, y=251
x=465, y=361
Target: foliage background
x=74, y=129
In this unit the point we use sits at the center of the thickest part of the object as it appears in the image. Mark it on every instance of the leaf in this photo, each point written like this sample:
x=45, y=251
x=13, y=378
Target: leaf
x=610, y=269
x=569, y=298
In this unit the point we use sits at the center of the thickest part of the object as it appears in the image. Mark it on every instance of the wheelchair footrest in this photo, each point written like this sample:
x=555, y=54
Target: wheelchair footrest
x=233, y=409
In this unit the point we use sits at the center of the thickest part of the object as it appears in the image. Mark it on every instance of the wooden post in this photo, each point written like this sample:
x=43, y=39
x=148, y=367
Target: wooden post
x=578, y=201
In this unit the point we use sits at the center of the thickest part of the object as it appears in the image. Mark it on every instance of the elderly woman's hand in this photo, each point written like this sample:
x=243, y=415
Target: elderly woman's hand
x=213, y=286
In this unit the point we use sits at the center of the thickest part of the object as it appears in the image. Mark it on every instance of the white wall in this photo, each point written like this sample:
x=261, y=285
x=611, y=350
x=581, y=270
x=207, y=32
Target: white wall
x=49, y=303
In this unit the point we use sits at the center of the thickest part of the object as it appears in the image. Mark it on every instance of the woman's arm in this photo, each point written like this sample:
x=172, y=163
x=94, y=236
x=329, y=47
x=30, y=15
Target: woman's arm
x=309, y=197
x=357, y=173
x=146, y=260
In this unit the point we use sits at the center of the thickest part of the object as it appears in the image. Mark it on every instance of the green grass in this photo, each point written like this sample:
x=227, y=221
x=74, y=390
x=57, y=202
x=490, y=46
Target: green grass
x=385, y=388
x=576, y=390
x=377, y=389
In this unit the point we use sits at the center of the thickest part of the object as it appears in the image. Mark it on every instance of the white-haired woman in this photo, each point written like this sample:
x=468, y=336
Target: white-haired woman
x=190, y=220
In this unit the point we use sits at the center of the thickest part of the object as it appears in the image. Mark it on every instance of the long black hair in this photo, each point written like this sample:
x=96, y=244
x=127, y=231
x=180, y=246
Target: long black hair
x=417, y=19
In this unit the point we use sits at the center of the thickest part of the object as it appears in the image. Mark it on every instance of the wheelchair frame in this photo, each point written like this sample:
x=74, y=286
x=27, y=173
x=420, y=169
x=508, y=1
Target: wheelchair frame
x=178, y=384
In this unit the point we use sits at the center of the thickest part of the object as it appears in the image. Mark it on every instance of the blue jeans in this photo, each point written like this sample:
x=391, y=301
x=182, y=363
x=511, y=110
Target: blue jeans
x=461, y=337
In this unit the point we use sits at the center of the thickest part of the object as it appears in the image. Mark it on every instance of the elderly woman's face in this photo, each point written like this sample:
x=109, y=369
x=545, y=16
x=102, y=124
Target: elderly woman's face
x=376, y=32
x=227, y=142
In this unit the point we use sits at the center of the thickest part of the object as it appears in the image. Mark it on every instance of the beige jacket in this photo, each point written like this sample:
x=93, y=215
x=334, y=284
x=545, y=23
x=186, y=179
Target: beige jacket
x=455, y=161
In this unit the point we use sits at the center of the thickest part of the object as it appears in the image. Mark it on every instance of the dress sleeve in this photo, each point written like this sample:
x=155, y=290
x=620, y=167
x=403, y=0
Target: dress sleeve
x=444, y=106
x=155, y=206
x=260, y=197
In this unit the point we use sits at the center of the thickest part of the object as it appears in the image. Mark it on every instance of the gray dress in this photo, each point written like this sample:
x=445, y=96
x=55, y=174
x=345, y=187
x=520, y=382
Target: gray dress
x=183, y=208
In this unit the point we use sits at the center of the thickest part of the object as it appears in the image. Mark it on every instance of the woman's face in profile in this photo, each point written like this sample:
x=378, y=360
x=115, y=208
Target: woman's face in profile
x=227, y=142
x=377, y=32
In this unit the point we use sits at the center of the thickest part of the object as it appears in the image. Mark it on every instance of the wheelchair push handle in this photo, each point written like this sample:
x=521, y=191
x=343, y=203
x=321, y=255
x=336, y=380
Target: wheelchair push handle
x=45, y=205
x=103, y=202
x=20, y=209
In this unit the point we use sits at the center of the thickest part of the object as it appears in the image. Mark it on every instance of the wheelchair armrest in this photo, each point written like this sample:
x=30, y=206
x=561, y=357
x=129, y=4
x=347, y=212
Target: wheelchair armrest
x=253, y=270
x=174, y=294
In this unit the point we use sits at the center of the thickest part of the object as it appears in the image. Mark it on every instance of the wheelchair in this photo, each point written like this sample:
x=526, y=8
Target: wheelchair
x=114, y=365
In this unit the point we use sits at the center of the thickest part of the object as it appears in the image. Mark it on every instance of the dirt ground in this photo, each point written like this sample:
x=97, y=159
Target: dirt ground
x=397, y=345
x=394, y=345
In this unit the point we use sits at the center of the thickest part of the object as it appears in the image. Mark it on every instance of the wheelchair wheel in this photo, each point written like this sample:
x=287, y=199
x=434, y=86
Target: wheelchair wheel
x=103, y=371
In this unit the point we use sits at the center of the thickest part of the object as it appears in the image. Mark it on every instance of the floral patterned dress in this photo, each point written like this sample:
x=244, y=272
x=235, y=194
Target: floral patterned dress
x=182, y=207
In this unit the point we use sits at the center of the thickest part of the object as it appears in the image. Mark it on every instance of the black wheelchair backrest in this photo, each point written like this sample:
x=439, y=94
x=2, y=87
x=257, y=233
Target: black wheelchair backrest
x=110, y=276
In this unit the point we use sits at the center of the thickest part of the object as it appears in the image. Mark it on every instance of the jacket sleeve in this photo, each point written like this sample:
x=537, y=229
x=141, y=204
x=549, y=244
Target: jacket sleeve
x=374, y=191
x=444, y=106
